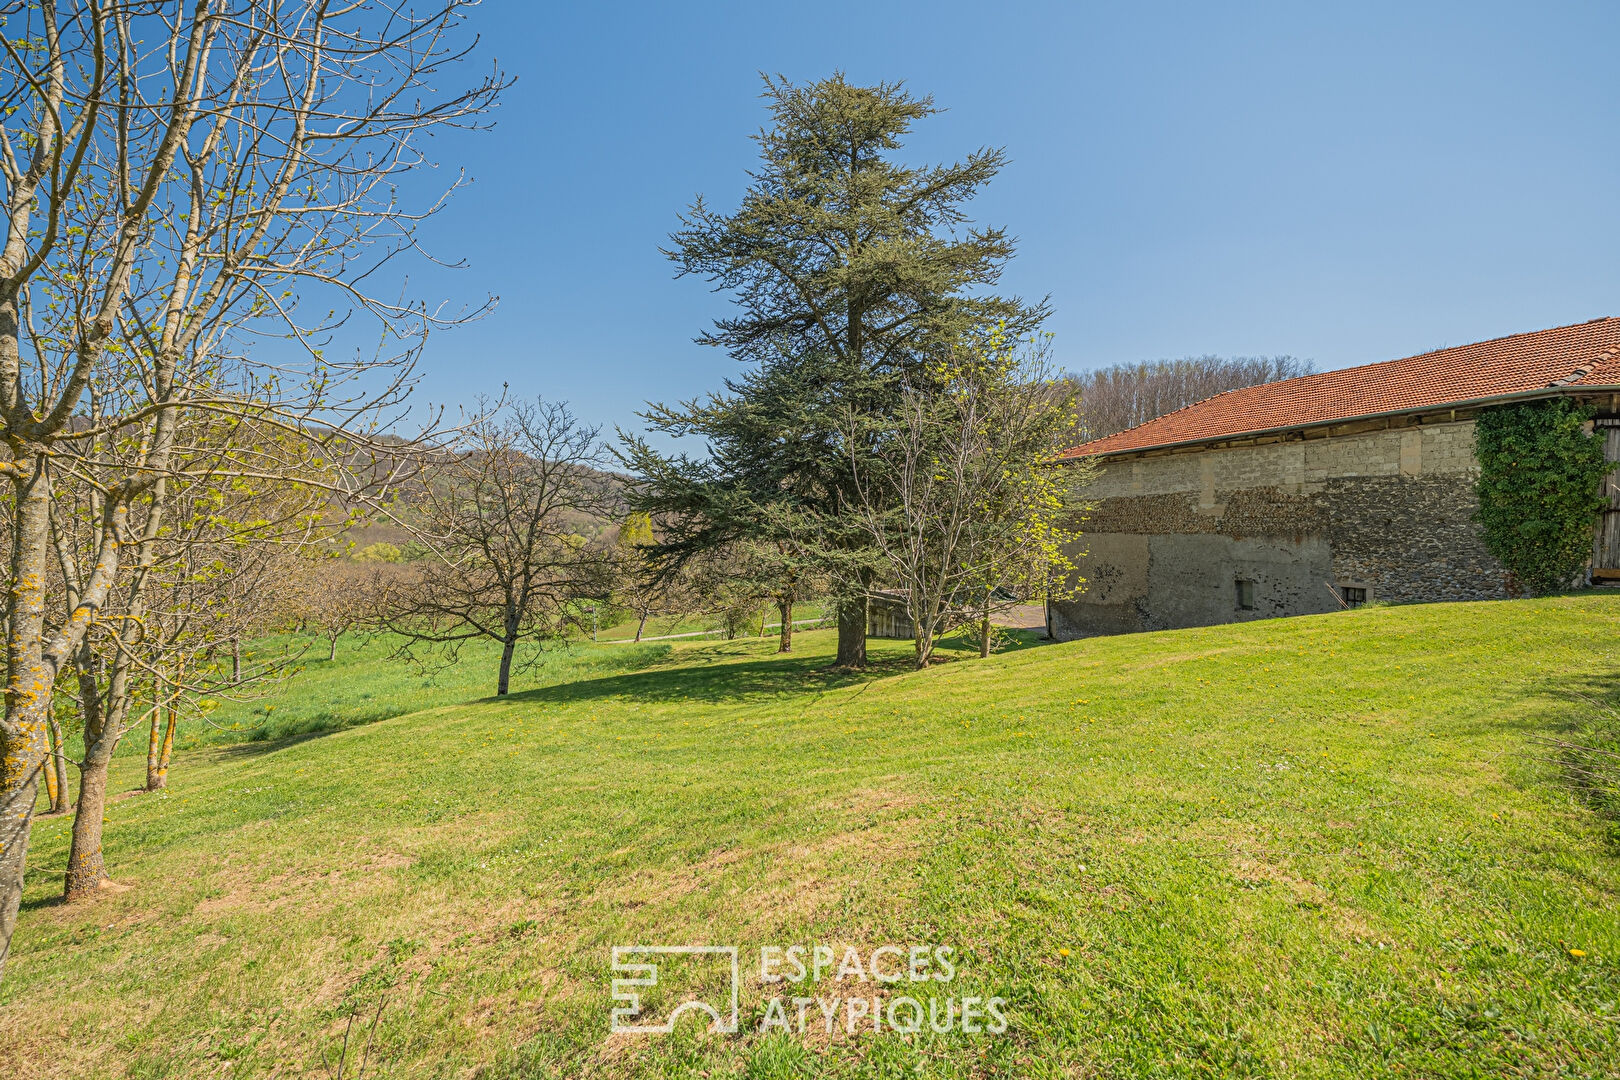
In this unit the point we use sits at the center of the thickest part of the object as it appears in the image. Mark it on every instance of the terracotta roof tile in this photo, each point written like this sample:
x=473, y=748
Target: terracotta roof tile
x=1584, y=354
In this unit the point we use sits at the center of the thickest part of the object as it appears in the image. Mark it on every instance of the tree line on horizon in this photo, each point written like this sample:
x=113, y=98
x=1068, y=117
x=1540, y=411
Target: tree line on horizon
x=1122, y=396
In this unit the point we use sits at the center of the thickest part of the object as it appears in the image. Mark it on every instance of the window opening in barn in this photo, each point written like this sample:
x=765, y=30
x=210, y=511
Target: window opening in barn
x=1353, y=596
x=1245, y=595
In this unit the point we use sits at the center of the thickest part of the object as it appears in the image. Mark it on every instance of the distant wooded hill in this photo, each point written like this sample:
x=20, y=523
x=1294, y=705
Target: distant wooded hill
x=379, y=529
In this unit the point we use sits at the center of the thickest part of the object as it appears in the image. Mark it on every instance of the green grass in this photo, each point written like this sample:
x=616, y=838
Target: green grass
x=364, y=684
x=1326, y=846
x=690, y=624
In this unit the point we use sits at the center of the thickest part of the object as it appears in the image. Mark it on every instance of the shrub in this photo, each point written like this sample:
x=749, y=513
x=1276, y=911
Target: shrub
x=1540, y=489
x=381, y=552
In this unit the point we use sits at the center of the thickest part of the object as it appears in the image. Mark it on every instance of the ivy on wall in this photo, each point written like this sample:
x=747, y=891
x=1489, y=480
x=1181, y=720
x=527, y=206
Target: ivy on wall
x=1540, y=489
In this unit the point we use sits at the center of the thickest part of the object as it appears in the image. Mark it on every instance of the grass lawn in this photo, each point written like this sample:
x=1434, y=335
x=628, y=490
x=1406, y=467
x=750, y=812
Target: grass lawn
x=1325, y=846
x=363, y=684
x=805, y=616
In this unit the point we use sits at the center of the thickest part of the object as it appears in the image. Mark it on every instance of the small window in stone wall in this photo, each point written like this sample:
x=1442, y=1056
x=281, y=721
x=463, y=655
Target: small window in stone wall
x=1354, y=595
x=1245, y=595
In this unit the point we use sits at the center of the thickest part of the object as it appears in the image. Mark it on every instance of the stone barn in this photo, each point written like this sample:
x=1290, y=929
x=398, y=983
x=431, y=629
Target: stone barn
x=886, y=615
x=1334, y=489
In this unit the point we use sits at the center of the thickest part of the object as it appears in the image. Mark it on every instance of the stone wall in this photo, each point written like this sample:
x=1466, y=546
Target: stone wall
x=1172, y=535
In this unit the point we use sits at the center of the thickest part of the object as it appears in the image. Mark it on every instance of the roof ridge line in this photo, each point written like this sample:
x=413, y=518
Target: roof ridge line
x=1480, y=363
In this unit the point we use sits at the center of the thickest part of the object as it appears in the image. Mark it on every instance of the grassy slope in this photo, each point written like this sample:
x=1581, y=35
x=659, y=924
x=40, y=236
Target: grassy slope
x=365, y=684
x=626, y=631
x=1311, y=847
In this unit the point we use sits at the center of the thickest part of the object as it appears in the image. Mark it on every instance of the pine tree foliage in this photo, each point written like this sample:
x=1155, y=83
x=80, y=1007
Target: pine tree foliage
x=850, y=270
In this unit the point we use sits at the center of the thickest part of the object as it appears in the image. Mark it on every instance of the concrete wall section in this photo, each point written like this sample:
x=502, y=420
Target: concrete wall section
x=1137, y=582
x=1113, y=597
x=1193, y=580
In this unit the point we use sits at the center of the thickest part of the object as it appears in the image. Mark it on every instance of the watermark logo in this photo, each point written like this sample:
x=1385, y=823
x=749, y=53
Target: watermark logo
x=900, y=988
x=646, y=972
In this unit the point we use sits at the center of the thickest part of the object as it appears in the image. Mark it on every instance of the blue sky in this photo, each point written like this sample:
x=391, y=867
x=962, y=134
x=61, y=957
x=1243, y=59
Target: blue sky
x=1342, y=182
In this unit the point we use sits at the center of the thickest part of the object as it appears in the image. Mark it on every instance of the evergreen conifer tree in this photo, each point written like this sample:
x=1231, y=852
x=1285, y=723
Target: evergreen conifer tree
x=850, y=270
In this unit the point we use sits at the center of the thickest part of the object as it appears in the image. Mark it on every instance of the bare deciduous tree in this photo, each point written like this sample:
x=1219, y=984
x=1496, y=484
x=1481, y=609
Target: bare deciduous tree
x=177, y=178
x=638, y=585
x=340, y=596
x=504, y=513
x=962, y=495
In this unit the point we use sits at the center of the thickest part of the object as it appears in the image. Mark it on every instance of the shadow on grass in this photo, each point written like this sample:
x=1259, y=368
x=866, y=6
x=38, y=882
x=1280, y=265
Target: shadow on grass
x=40, y=903
x=727, y=673
x=270, y=744
x=714, y=681
x=731, y=676
x=722, y=675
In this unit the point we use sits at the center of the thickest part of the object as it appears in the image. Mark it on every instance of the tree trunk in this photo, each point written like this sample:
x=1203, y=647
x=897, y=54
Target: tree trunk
x=24, y=753
x=104, y=717
x=24, y=733
x=32, y=666
x=925, y=617
x=507, y=649
x=53, y=792
x=157, y=757
x=103, y=722
x=87, y=869
x=154, y=743
x=236, y=660
x=331, y=653
x=852, y=633
x=58, y=767
x=164, y=752
x=984, y=624
x=641, y=625
x=784, y=608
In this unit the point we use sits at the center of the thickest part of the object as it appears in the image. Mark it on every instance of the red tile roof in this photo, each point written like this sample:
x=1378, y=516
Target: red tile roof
x=1586, y=354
